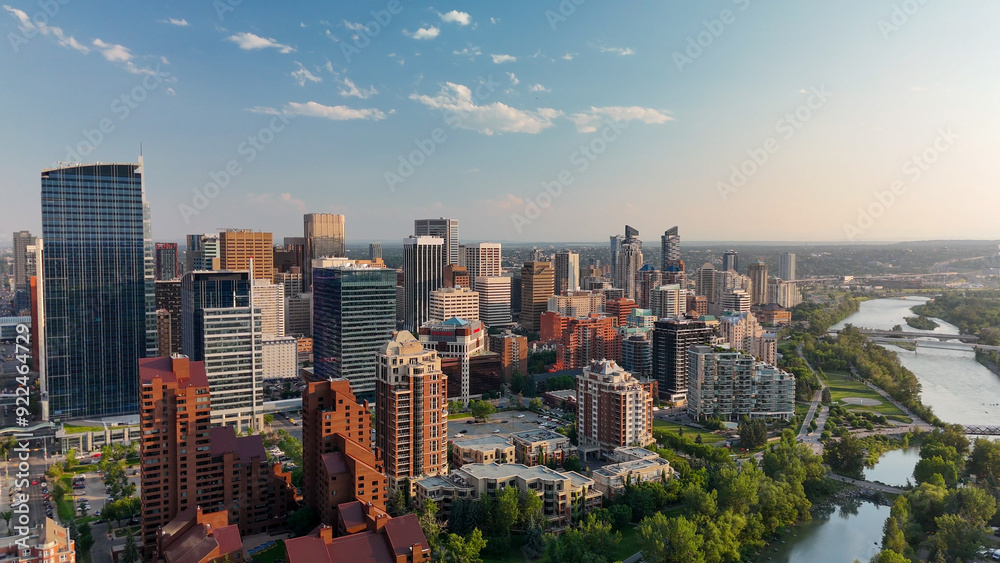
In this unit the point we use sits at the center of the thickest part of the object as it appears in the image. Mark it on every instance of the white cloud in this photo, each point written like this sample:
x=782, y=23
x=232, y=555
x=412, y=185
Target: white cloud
x=471, y=51
x=513, y=78
x=509, y=201
x=353, y=91
x=251, y=42
x=302, y=75
x=269, y=201
x=587, y=122
x=29, y=28
x=569, y=56
x=175, y=21
x=494, y=21
x=423, y=33
x=539, y=88
x=112, y=52
x=354, y=26
x=456, y=100
x=454, y=16
x=263, y=110
x=621, y=51
x=500, y=59
x=336, y=113
x=171, y=92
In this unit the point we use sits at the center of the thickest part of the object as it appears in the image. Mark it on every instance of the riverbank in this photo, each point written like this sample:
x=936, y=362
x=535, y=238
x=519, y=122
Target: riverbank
x=989, y=360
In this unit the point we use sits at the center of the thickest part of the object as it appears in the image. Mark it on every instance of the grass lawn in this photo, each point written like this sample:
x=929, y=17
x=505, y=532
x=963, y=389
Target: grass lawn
x=81, y=429
x=841, y=386
x=707, y=436
x=276, y=553
x=453, y=416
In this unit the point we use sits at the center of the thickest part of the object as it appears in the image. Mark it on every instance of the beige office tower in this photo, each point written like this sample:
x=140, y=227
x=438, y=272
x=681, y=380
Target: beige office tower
x=480, y=260
x=324, y=237
x=411, y=410
x=758, y=283
x=270, y=298
x=668, y=301
x=239, y=246
x=494, y=300
x=538, y=281
x=567, y=272
x=449, y=302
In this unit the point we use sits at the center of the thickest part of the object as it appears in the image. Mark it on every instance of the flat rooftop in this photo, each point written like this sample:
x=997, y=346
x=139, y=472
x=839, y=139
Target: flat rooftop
x=629, y=466
x=484, y=443
x=507, y=470
x=540, y=435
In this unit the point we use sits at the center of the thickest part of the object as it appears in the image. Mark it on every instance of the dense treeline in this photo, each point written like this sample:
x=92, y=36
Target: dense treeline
x=822, y=316
x=947, y=521
x=974, y=312
x=870, y=362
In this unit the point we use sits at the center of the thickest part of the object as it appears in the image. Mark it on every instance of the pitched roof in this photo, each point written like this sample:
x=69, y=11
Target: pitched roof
x=404, y=532
x=247, y=448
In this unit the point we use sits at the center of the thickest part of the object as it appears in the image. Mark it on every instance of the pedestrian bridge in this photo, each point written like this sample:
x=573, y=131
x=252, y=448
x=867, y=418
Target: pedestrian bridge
x=904, y=334
x=982, y=430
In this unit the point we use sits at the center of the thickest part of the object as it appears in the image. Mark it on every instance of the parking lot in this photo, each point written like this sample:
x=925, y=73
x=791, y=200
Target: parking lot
x=507, y=423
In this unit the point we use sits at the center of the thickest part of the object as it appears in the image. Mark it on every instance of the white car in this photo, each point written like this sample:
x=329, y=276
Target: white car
x=520, y=416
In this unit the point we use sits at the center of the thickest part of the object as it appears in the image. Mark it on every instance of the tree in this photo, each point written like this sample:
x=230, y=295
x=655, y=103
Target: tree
x=482, y=409
x=535, y=404
x=6, y=515
x=620, y=515
x=397, y=505
x=427, y=517
x=457, y=549
x=71, y=460
x=572, y=463
x=893, y=539
x=826, y=397
x=592, y=541
x=753, y=433
x=303, y=520
x=531, y=511
x=887, y=556
x=131, y=553
x=673, y=540
x=956, y=538
x=507, y=510
x=926, y=468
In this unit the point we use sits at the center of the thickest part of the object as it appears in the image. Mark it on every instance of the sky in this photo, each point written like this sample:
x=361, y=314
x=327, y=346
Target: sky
x=543, y=120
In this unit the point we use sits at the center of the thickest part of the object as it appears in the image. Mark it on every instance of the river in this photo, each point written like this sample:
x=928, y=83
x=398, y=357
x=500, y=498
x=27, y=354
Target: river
x=954, y=385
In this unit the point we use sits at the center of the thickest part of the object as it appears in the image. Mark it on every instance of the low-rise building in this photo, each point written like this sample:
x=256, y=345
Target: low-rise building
x=49, y=544
x=394, y=540
x=194, y=536
x=488, y=449
x=540, y=447
x=633, y=465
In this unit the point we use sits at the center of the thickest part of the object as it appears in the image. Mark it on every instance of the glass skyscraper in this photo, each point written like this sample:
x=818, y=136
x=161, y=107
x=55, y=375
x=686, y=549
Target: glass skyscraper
x=354, y=315
x=99, y=292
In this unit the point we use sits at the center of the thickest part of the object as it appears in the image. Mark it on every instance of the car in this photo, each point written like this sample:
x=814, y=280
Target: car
x=468, y=422
x=463, y=431
x=34, y=482
x=496, y=430
x=520, y=416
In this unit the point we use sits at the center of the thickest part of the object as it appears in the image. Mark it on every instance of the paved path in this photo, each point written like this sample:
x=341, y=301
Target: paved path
x=867, y=484
x=812, y=440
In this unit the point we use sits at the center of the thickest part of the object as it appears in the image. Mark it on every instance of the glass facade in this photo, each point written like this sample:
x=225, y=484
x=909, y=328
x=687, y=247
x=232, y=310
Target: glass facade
x=95, y=220
x=354, y=315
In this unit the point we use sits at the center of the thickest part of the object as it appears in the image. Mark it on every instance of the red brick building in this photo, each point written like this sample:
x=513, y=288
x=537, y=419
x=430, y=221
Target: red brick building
x=587, y=339
x=389, y=540
x=619, y=309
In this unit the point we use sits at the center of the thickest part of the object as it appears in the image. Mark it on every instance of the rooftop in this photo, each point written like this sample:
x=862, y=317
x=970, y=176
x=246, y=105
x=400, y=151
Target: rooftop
x=484, y=443
x=540, y=435
x=224, y=440
x=616, y=469
x=500, y=471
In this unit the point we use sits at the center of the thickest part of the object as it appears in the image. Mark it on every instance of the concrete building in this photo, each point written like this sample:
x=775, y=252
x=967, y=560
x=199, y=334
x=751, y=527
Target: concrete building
x=641, y=318
x=731, y=385
x=537, y=285
x=667, y=301
x=564, y=495
x=375, y=251
x=637, y=352
x=457, y=339
x=237, y=247
x=734, y=300
x=726, y=283
x=423, y=272
x=489, y=449
x=449, y=302
x=456, y=276
x=628, y=263
x=670, y=247
x=167, y=266
x=494, y=300
x=291, y=281
x=168, y=298
x=773, y=314
x=222, y=328
x=649, y=279
x=758, y=282
x=697, y=305
x=613, y=409
x=786, y=266
x=325, y=236
x=783, y=293
x=411, y=409
x=482, y=259
x=731, y=261
x=567, y=265
x=632, y=465
x=280, y=357
x=619, y=309
x=541, y=447
x=585, y=339
x=270, y=298
x=513, y=351
x=298, y=315
x=447, y=231
x=704, y=281
x=576, y=303
x=671, y=340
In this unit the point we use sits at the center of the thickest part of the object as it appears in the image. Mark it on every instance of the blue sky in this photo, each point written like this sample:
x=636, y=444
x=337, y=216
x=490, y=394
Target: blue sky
x=860, y=120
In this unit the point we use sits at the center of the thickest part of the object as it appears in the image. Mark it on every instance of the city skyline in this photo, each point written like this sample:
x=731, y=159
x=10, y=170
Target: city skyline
x=689, y=115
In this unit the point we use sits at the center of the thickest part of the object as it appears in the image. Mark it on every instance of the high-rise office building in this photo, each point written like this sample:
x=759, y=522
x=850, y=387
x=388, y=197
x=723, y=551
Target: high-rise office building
x=291, y=255
x=202, y=253
x=494, y=300
x=375, y=251
x=456, y=276
x=567, y=272
x=786, y=266
x=637, y=354
x=166, y=261
x=270, y=299
x=168, y=298
x=238, y=247
x=628, y=263
x=704, y=281
x=22, y=240
x=423, y=272
x=222, y=328
x=513, y=350
x=537, y=285
x=616, y=248
x=731, y=261
x=758, y=282
x=458, y=339
x=667, y=301
x=325, y=237
x=411, y=405
x=613, y=408
x=354, y=315
x=445, y=229
x=649, y=279
x=482, y=259
x=100, y=305
x=671, y=340
x=449, y=302
x=291, y=281
x=299, y=315
x=670, y=247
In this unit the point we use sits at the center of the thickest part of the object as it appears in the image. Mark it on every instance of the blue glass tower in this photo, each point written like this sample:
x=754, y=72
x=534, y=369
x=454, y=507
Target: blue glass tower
x=97, y=288
x=354, y=315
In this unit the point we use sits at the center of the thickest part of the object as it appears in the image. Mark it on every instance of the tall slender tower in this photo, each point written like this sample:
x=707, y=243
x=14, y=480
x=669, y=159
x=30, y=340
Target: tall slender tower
x=423, y=272
x=325, y=237
x=758, y=282
x=628, y=263
x=730, y=261
x=786, y=266
x=567, y=272
x=442, y=228
x=670, y=247
x=95, y=222
x=537, y=285
x=480, y=259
